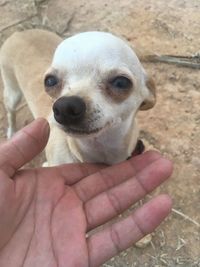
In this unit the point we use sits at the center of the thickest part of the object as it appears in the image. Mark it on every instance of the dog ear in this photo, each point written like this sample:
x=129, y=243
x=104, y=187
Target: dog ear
x=150, y=101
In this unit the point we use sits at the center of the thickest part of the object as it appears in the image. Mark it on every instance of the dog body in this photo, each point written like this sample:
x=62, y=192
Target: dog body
x=24, y=58
x=89, y=87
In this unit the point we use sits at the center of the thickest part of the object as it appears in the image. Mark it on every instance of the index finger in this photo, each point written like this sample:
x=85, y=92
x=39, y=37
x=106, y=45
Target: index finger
x=113, y=175
x=23, y=146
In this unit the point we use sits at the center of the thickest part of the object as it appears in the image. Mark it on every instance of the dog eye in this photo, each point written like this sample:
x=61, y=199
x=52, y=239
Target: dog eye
x=51, y=81
x=121, y=82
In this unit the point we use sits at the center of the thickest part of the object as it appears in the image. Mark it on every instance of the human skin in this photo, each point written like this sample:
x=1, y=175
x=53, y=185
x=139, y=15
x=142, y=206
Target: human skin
x=47, y=213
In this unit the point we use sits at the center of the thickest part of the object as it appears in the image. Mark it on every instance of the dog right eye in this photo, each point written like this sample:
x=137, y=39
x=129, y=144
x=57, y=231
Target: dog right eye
x=51, y=81
x=121, y=83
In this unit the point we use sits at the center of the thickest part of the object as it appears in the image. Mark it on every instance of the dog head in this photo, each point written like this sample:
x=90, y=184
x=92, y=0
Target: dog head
x=96, y=81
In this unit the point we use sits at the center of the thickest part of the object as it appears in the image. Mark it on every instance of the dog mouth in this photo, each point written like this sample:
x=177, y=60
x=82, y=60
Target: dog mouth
x=84, y=129
x=80, y=131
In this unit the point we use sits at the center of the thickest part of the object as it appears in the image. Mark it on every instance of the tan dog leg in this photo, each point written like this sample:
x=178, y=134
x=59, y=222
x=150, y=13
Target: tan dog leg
x=12, y=96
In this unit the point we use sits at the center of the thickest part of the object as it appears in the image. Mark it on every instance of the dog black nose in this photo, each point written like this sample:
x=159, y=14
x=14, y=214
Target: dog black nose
x=69, y=110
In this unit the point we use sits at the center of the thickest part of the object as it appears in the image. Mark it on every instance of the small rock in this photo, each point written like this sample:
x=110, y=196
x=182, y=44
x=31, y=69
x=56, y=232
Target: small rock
x=144, y=242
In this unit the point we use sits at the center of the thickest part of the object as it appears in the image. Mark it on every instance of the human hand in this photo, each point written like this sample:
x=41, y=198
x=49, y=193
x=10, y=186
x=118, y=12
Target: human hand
x=45, y=213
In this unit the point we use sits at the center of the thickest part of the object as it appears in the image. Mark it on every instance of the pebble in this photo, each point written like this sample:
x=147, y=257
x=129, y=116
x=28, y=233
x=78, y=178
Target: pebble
x=144, y=242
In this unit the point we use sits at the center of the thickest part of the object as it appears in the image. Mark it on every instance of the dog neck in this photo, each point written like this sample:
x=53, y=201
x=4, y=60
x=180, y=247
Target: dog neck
x=113, y=145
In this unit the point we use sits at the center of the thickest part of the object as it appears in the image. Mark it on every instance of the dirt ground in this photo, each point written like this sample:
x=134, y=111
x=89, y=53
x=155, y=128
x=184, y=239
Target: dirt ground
x=172, y=127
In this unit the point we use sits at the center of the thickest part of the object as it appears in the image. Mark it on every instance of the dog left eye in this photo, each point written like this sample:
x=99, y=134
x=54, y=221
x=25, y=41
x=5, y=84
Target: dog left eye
x=51, y=81
x=121, y=82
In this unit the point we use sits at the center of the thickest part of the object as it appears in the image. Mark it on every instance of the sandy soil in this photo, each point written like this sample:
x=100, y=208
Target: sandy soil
x=172, y=127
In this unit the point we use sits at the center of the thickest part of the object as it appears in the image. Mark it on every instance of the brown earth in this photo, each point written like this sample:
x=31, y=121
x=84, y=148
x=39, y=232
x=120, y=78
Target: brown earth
x=172, y=127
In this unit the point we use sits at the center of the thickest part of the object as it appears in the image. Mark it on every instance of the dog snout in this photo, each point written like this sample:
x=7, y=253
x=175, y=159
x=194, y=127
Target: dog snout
x=69, y=110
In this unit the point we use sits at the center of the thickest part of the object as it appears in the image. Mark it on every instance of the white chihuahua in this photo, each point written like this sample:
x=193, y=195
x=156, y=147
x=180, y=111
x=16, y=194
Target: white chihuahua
x=90, y=93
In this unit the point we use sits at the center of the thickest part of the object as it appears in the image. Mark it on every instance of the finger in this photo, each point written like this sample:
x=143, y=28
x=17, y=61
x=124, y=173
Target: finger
x=119, y=236
x=74, y=172
x=115, y=200
x=114, y=175
x=23, y=146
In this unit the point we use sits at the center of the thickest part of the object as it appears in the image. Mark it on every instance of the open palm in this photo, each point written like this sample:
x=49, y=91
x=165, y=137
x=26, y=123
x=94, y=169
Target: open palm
x=47, y=214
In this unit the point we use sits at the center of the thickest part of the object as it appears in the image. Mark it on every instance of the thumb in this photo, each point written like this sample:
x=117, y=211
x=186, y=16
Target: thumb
x=24, y=146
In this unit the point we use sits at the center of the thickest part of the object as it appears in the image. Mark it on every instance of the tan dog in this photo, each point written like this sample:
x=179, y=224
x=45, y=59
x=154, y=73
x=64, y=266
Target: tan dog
x=90, y=90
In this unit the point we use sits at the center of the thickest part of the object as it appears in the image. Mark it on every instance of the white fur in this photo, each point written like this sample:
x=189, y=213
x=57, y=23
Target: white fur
x=84, y=62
